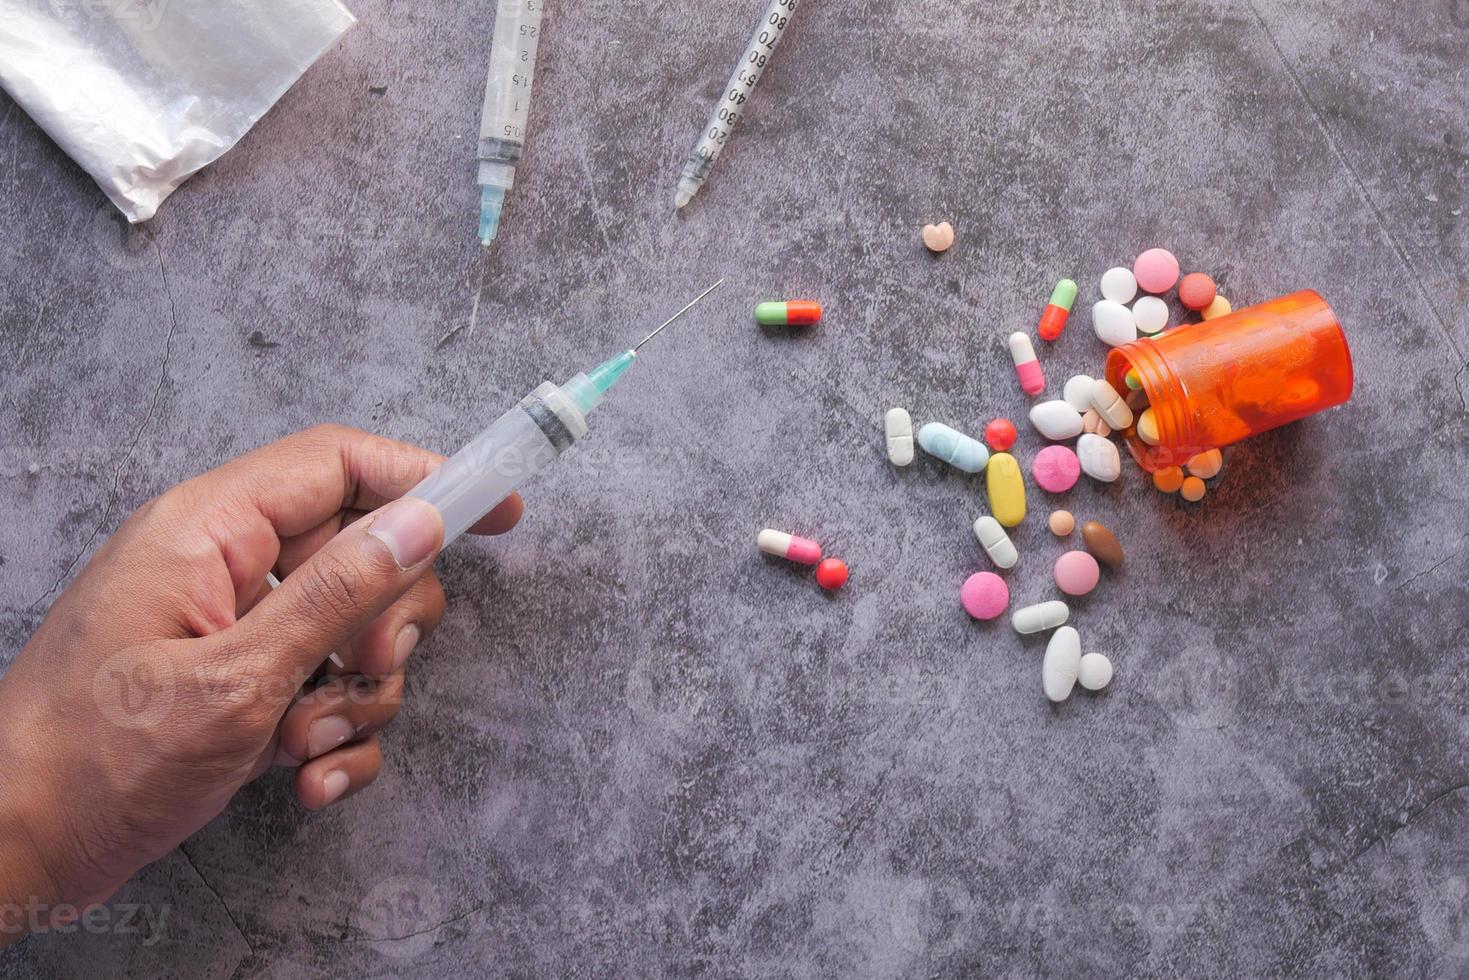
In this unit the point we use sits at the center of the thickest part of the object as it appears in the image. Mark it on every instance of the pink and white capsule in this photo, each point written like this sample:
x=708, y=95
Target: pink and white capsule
x=1027, y=368
x=788, y=546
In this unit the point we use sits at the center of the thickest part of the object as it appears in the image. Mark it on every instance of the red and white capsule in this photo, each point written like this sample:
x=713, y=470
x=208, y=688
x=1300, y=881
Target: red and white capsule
x=1027, y=368
x=788, y=546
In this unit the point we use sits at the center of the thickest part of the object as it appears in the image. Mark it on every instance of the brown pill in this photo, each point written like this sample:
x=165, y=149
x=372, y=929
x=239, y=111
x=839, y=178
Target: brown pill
x=1102, y=543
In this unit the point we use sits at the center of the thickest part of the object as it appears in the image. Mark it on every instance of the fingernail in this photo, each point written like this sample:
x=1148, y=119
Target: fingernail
x=410, y=528
x=326, y=734
x=407, y=639
x=333, y=785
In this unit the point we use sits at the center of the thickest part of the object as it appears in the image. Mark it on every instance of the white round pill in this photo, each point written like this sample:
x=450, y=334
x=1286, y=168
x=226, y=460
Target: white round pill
x=1078, y=392
x=1151, y=314
x=1094, y=672
x=1113, y=323
x=1119, y=285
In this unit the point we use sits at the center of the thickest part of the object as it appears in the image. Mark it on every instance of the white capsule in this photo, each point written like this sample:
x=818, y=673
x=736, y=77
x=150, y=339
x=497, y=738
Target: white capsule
x=1056, y=420
x=1078, y=392
x=996, y=542
x=1062, y=664
x=1099, y=457
x=1151, y=314
x=898, y=426
x=1041, y=617
x=1110, y=406
x=1114, y=323
x=1119, y=285
x=1095, y=672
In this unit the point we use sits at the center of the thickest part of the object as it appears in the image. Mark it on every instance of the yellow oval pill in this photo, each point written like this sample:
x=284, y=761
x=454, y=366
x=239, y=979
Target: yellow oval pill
x=1193, y=489
x=1006, y=488
x=1147, y=427
x=1168, y=480
x=1207, y=465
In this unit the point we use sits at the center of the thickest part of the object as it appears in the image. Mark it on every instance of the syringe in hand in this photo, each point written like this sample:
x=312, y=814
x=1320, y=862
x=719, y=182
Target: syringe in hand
x=524, y=441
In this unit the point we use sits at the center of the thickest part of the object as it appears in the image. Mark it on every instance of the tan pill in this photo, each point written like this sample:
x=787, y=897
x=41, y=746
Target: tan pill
x=1193, y=490
x=1090, y=420
x=1103, y=429
x=939, y=237
x=1206, y=465
x=1062, y=523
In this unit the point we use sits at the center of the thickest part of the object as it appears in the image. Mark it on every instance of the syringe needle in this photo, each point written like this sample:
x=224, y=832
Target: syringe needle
x=680, y=313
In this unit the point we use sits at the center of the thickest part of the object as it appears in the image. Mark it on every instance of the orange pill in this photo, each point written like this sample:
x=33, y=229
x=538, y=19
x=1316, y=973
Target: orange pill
x=1168, y=480
x=1196, y=291
x=1193, y=489
x=1206, y=465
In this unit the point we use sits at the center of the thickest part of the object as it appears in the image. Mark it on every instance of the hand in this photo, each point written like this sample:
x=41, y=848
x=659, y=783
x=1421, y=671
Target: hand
x=169, y=674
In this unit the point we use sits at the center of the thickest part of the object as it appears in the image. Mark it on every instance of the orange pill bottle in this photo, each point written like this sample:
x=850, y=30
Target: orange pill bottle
x=1214, y=383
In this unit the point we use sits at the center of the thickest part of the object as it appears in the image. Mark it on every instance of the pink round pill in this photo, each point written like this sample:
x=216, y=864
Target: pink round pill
x=985, y=595
x=1156, y=270
x=1077, y=573
x=1056, y=469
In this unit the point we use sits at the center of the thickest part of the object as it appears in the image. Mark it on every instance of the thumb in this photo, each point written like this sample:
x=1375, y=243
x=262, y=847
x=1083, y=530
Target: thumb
x=343, y=587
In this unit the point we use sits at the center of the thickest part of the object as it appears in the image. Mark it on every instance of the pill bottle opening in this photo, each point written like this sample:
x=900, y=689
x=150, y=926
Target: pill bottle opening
x=1166, y=395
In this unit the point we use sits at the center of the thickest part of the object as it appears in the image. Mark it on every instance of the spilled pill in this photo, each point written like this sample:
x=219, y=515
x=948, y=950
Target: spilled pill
x=939, y=237
x=1196, y=291
x=1151, y=314
x=1220, y=307
x=1156, y=270
x=1053, y=320
x=1119, y=285
x=832, y=574
x=1089, y=420
x=1000, y=434
x=996, y=542
x=1062, y=523
x=984, y=595
x=898, y=427
x=1056, y=420
x=1055, y=469
x=1095, y=672
x=1168, y=479
x=1076, y=573
x=1102, y=543
x=1078, y=392
x=1193, y=489
x=1062, y=664
x=953, y=447
x=1109, y=405
x=1098, y=457
x=1040, y=617
x=1027, y=368
x=788, y=546
x=1006, y=489
x=1206, y=465
x=793, y=313
x=1114, y=323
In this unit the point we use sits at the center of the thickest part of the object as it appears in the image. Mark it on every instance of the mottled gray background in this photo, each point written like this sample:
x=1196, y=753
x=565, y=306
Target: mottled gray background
x=636, y=748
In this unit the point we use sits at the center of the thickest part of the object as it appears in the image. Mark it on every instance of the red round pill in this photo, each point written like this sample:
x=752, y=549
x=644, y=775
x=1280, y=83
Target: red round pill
x=1196, y=291
x=1000, y=434
x=831, y=574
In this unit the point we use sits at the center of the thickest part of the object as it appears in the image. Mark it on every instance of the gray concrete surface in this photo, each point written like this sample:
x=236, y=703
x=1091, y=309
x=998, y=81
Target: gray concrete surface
x=636, y=748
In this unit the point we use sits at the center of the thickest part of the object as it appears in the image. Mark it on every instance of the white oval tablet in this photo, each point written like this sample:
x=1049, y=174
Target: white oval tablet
x=1062, y=664
x=996, y=542
x=1040, y=617
x=1151, y=314
x=1110, y=406
x=898, y=425
x=1095, y=672
x=1114, y=323
x=1056, y=420
x=1078, y=392
x=1119, y=285
x=1099, y=457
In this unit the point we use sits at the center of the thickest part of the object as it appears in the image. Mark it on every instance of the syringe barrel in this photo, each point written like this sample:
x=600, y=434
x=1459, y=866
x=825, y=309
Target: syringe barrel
x=502, y=458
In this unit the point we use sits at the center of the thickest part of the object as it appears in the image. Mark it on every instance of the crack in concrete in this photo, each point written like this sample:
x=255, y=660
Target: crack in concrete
x=1361, y=185
x=220, y=898
x=421, y=932
x=1434, y=567
x=132, y=449
x=1386, y=838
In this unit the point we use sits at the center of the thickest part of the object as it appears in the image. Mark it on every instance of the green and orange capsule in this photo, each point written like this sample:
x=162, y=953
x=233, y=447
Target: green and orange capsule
x=792, y=313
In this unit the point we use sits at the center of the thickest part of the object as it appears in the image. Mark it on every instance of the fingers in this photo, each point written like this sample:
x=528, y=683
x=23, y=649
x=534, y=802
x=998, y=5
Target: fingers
x=381, y=649
x=339, y=711
x=338, y=775
x=342, y=588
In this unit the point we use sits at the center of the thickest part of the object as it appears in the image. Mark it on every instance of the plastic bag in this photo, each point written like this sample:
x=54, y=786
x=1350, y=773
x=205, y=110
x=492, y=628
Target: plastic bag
x=143, y=94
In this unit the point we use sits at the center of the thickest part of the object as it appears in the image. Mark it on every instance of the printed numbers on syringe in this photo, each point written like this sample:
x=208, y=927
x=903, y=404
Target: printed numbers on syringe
x=750, y=71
